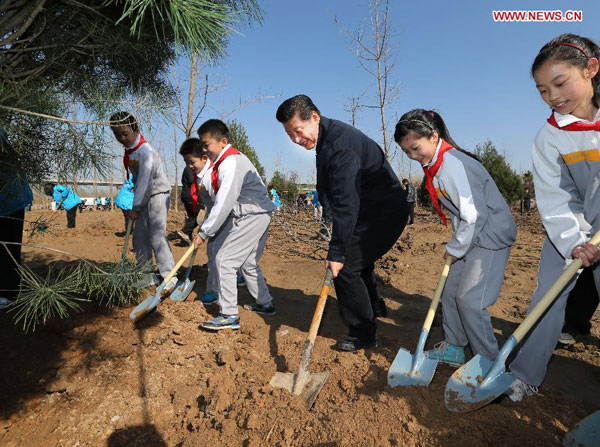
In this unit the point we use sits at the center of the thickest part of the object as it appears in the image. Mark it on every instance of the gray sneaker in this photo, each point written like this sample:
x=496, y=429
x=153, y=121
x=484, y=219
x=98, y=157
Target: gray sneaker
x=149, y=280
x=566, y=339
x=519, y=389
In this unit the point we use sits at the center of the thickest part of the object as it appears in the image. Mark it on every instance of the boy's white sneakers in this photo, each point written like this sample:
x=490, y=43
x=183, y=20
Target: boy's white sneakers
x=170, y=286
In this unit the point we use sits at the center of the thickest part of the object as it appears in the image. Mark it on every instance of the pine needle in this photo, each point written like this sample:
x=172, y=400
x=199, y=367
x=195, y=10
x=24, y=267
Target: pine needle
x=43, y=298
x=115, y=284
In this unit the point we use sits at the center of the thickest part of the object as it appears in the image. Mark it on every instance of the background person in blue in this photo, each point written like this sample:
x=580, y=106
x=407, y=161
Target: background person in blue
x=15, y=197
x=67, y=198
x=274, y=197
x=124, y=199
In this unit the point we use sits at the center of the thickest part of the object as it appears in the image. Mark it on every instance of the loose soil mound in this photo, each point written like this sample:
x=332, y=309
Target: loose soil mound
x=95, y=379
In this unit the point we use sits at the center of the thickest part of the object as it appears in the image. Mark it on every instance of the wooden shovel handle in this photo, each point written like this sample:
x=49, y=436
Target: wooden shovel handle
x=437, y=295
x=301, y=376
x=126, y=243
x=180, y=263
x=316, y=321
x=551, y=294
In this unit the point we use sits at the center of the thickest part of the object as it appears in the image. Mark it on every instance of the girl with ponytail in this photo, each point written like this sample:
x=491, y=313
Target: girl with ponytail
x=483, y=233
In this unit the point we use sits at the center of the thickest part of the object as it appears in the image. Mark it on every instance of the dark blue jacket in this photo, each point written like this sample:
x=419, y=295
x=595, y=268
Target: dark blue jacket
x=357, y=180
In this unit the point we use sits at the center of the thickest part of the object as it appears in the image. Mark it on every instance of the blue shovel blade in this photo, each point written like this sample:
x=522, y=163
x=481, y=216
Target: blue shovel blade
x=182, y=290
x=469, y=388
x=586, y=433
x=409, y=370
x=147, y=305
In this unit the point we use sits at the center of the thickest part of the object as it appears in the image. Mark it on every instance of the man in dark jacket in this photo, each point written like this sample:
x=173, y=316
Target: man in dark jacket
x=368, y=207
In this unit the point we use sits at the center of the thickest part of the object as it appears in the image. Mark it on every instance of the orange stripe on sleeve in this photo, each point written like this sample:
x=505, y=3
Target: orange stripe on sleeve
x=576, y=157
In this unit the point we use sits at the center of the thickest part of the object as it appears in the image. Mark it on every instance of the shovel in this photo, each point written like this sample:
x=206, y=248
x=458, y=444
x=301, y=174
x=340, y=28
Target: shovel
x=480, y=381
x=586, y=433
x=126, y=243
x=303, y=382
x=185, y=286
x=407, y=369
x=150, y=303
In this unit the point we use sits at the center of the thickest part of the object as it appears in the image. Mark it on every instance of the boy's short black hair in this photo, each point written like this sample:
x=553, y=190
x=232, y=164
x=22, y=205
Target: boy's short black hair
x=299, y=104
x=404, y=181
x=215, y=128
x=124, y=119
x=192, y=146
x=49, y=189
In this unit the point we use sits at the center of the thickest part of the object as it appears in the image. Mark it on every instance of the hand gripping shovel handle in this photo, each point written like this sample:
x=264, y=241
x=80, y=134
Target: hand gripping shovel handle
x=312, y=334
x=126, y=242
x=551, y=294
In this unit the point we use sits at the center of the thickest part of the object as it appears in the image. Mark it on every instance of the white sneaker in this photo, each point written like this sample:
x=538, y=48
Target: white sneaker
x=519, y=389
x=566, y=339
x=171, y=284
x=4, y=302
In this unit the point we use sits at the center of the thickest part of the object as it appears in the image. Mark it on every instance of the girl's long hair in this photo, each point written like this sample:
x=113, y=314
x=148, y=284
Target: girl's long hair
x=423, y=123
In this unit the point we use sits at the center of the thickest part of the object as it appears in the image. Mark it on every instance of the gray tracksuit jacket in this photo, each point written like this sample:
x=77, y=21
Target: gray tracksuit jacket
x=479, y=214
x=149, y=175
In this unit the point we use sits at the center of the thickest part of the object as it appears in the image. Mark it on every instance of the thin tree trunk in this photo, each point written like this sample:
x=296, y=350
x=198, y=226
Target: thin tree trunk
x=191, y=96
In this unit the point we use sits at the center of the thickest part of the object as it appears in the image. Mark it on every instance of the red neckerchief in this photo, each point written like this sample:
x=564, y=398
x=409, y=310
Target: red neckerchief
x=576, y=126
x=214, y=175
x=130, y=151
x=194, y=192
x=430, y=172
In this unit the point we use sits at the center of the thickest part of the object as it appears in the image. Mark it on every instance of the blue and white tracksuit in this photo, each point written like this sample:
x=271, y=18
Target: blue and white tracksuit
x=484, y=231
x=566, y=175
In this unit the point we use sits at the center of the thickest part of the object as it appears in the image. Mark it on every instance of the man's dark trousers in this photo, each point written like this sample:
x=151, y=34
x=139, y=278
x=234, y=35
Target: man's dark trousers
x=355, y=284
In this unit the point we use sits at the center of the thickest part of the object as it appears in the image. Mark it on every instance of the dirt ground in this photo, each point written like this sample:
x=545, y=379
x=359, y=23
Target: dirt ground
x=94, y=379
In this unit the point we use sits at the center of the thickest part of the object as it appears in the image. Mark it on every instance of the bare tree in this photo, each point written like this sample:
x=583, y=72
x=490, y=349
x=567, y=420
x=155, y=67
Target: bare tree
x=375, y=54
x=352, y=108
x=196, y=104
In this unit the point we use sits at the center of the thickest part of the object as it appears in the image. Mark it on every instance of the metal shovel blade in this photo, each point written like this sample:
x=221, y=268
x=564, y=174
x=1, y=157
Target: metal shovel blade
x=309, y=390
x=144, y=308
x=470, y=388
x=586, y=433
x=182, y=290
x=147, y=306
x=411, y=370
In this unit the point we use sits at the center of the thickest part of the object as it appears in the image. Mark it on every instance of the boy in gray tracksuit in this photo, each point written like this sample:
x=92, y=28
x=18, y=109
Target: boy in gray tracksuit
x=151, y=196
x=237, y=225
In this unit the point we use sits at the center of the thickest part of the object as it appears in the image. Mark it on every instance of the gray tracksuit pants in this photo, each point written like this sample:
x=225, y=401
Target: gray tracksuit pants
x=238, y=245
x=212, y=284
x=149, y=234
x=472, y=286
x=531, y=362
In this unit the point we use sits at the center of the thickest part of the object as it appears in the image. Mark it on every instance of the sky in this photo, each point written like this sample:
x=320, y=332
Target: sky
x=451, y=57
